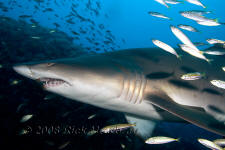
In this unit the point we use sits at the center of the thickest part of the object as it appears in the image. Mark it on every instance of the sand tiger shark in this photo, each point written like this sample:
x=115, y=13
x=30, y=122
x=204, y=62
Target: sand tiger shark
x=144, y=84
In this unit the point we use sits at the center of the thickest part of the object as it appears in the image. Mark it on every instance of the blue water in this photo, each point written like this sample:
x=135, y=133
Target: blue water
x=126, y=19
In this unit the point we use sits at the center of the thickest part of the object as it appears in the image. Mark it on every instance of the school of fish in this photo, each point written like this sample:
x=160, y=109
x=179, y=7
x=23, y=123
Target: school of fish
x=187, y=45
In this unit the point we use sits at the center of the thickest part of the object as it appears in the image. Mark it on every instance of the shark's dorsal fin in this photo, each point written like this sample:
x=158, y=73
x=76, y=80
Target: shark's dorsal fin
x=189, y=114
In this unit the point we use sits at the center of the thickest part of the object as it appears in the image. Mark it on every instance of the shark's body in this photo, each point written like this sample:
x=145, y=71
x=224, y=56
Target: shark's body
x=142, y=83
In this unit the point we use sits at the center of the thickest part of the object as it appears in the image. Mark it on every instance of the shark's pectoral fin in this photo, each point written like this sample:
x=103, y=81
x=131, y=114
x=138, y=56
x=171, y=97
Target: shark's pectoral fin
x=143, y=128
x=199, y=118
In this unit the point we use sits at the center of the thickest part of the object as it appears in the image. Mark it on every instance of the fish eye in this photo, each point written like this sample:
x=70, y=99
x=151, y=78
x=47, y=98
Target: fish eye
x=50, y=64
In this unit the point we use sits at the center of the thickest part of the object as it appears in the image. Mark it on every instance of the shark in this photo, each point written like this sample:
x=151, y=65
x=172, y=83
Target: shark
x=143, y=83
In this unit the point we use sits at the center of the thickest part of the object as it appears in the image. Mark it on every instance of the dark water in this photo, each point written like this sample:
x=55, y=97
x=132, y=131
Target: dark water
x=60, y=123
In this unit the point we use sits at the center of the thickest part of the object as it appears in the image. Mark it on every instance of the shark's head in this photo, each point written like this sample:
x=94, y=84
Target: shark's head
x=84, y=80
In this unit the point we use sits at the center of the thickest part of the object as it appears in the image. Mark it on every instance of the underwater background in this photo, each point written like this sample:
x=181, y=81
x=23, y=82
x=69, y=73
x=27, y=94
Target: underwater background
x=32, y=30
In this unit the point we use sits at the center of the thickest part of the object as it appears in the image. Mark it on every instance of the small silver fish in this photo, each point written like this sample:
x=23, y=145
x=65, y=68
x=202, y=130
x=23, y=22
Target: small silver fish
x=218, y=83
x=159, y=15
x=188, y=28
x=173, y=2
x=15, y=82
x=195, y=16
x=194, y=52
x=183, y=38
x=123, y=146
x=218, y=53
x=193, y=76
x=23, y=132
x=165, y=47
x=36, y=37
x=116, y=127
x=210, y=144
x=220, y=142
x=196, y=2
x=26, y=118
x=64, y=145
x=223, y=68
x=209, y=22
x=162, y=2
x=92, y=132
x=215, y=41
x=91, y=117
x=191, y=15
x=160, y=140
x=199, y=12
x=52, y=31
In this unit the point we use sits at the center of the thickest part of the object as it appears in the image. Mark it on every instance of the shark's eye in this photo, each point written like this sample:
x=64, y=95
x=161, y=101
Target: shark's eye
x=50, y=64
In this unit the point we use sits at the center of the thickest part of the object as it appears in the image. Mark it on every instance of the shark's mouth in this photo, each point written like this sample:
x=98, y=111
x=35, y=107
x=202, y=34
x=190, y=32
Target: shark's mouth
x=52, y=82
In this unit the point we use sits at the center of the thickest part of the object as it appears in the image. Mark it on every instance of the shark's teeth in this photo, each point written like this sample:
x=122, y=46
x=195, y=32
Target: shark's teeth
x=52, y=82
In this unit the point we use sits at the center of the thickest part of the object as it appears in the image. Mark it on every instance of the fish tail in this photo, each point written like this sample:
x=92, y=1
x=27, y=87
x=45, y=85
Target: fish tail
x=209, y=61
x=211, y=12
x=179, y=57
x=216, y=20
x=202, y=52
x=178, y=139
x=204, y=75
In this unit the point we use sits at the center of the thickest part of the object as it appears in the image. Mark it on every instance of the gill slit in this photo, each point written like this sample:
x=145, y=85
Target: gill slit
x=134, y=87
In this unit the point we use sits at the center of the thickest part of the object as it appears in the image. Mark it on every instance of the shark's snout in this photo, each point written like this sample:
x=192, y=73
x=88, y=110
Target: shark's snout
x=42, y=74
x=23, y=70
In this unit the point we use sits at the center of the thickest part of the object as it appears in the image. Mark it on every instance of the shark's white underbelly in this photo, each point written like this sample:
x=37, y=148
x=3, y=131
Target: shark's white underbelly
x=143, y=110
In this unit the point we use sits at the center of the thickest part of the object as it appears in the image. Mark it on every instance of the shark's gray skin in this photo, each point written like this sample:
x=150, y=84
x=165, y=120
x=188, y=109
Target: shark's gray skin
x=145, y=84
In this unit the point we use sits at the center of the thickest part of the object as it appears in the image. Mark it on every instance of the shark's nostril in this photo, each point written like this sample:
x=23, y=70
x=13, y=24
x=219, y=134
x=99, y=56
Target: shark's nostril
x=50, y=64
